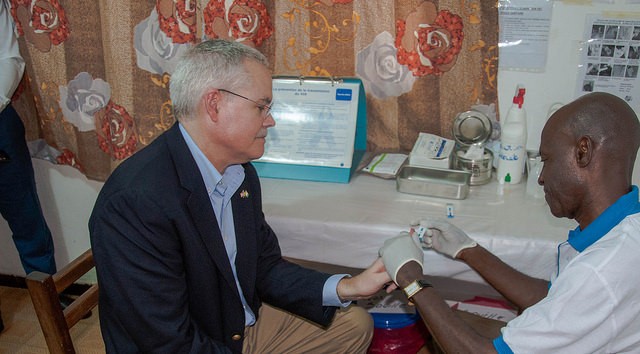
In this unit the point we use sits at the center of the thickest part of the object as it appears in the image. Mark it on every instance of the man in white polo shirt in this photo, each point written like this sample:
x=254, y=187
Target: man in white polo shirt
x=592, y=303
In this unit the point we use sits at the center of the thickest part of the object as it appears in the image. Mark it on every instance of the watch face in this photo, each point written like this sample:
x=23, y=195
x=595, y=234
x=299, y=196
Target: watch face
x=415, y=286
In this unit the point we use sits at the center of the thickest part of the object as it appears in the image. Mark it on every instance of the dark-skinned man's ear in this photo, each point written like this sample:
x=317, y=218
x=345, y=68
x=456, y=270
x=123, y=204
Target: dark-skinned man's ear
x=584, y=151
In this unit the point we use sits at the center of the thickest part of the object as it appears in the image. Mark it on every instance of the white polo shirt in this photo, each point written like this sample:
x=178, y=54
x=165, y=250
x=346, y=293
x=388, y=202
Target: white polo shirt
x=593, y=304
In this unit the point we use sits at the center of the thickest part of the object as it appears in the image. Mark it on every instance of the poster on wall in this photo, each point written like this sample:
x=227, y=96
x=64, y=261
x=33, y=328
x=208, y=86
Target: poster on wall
x=610, y=58
x=316, y=122
x=321, y=133
x=524, y=34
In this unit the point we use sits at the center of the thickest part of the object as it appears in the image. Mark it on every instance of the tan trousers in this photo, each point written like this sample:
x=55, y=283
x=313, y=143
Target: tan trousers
x=280, y=332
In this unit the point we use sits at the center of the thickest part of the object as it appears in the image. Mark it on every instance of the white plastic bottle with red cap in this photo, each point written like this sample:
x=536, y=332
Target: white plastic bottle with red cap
x=513, y=141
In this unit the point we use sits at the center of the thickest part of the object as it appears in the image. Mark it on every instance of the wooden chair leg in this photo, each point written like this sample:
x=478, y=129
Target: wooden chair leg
x=50, y=315
x=45, y=292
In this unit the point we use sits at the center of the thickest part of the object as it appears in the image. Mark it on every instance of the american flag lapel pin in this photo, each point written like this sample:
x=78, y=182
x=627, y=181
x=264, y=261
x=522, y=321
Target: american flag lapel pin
x=244, y=194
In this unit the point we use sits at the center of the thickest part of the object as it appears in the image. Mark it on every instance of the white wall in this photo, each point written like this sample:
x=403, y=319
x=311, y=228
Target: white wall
x=558, y=82
x=67, y=196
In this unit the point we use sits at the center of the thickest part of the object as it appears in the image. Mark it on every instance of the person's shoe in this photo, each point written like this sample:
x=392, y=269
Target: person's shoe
x=66, y=300
x=1, y=325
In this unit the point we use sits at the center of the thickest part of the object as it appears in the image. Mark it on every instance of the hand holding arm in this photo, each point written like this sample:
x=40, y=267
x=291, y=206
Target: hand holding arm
x=365, y=284
x=398, y=251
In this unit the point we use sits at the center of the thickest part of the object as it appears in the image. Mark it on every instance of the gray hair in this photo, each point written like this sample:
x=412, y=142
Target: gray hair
x=210, y=64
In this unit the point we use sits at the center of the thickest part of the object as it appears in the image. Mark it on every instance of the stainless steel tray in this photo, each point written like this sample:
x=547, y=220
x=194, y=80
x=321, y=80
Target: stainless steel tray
x=433, y=182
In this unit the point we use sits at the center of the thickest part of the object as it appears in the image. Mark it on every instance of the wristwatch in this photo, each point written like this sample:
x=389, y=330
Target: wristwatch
x=415, y=287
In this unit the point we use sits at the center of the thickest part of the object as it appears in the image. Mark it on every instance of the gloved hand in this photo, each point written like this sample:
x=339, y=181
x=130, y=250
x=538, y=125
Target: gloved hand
x=398, y=251
x=444, y=237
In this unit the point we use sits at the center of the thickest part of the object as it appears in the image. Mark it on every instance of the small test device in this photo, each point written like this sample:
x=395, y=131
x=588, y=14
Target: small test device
x=424, y=235
x=449, y=210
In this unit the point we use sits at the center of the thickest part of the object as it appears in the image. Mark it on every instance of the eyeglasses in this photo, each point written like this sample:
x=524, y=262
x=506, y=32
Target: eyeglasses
x=265, y=109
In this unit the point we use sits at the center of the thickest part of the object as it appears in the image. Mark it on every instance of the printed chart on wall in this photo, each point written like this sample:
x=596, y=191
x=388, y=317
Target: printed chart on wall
x=524, y=34
x=315, y=123
x=610, y=58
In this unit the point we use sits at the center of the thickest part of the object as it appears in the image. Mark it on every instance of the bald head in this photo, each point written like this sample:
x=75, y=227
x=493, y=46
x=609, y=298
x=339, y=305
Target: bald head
x=589, y=148
x=607, y=120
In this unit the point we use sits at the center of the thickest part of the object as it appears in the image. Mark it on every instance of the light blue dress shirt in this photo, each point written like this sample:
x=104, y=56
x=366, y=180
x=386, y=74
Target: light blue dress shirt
x=220, y=189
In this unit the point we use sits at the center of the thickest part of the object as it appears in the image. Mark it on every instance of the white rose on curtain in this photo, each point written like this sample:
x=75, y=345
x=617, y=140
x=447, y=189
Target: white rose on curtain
x=82, y=98
x=378, y=68
x=155, y=51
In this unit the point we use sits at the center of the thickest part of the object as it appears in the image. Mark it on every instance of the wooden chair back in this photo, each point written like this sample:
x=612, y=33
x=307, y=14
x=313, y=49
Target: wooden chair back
x=45, y=290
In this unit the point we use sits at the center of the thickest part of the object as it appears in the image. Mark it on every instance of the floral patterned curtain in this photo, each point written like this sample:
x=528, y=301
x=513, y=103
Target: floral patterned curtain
x=96, y=83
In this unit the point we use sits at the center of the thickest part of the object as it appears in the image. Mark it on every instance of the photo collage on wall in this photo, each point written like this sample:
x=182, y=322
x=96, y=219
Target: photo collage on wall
x=611, y=57
x=614, y=51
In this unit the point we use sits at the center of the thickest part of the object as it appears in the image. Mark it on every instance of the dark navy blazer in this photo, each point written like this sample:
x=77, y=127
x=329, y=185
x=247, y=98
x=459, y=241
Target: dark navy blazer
x=166, y=285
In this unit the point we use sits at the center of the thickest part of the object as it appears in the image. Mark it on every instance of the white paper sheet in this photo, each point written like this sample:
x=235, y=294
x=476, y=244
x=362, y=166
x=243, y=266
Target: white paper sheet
x=524, y=34
x=315, y=123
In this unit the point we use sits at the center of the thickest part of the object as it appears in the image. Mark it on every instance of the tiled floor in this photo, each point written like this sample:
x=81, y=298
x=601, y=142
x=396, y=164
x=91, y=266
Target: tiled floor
x=22, y=334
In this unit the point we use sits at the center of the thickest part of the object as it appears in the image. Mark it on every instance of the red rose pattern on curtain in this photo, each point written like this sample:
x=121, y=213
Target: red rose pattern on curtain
x=98, y=72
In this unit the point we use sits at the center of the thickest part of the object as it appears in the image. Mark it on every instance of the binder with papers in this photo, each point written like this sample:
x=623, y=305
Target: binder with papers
x=320, y=132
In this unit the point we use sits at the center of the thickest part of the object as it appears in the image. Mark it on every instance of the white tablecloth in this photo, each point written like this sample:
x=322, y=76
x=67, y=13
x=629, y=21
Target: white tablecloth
x=345, y=224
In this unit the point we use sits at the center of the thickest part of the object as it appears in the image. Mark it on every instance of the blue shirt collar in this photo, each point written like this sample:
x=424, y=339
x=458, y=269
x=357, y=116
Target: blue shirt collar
x=626, y=205
x=233, y=175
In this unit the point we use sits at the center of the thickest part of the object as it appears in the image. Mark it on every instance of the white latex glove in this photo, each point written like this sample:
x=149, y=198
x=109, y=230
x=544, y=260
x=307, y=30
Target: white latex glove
x=398, y=251
x=443, y=237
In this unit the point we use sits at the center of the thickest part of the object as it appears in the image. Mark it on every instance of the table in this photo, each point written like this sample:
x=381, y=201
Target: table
x=346, y=224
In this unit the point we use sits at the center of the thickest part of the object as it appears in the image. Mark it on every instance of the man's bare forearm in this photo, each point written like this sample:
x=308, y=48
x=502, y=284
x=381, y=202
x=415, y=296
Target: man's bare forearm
x=517, y=287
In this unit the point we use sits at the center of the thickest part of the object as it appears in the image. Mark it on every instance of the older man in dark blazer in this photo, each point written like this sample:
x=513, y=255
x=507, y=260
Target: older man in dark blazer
x=185, y=259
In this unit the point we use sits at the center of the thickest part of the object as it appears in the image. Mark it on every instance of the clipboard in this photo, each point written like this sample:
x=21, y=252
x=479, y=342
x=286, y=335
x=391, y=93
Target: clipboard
x=320, y=132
